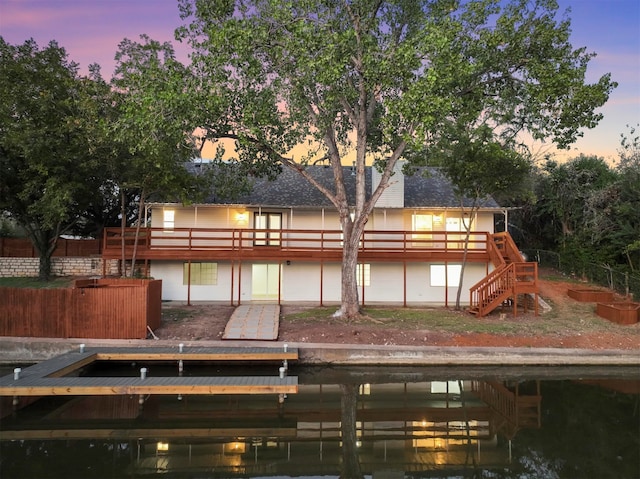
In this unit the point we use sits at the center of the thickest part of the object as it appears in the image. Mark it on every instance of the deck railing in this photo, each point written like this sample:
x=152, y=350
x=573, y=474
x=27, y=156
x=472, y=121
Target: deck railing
x=505, y=244
x=511, y=276
x=160, y=242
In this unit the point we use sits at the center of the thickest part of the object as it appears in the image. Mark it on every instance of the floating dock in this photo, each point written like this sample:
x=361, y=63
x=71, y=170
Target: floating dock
x=51, y=378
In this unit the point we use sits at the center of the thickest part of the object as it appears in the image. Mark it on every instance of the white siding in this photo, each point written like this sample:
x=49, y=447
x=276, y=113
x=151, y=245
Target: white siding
x=300, y=281
x=393, y=196
x=171, y=273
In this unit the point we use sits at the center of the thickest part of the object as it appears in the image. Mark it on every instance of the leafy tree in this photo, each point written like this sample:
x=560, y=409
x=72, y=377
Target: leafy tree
x=612, y=222
x=149, y=128
x=629, y=178
x=563, y=192
x=479, y=168
x=378, y=79
x=154, y=134
x=49, y=172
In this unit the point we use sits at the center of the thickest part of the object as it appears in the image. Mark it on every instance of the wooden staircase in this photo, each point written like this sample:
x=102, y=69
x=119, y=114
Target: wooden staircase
x=511, y=278
x=513, y=410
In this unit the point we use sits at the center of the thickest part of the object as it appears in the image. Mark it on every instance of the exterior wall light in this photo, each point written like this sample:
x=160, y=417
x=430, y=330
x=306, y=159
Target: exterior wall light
x=242, y=218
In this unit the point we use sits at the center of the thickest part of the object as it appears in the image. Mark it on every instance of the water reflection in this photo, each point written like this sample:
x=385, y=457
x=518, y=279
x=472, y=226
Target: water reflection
x=347, y=423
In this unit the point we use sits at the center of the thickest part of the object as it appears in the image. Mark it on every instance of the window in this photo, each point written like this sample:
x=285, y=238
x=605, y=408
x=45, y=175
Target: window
x=272, y=224
x=168, y=219
x=422, y=224
x=201, y=273
x=452, y=387
x=363, y=275
x=441, y=276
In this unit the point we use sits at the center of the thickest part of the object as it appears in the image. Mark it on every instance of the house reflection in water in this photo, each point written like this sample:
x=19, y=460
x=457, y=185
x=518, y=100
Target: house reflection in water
x=399, y=426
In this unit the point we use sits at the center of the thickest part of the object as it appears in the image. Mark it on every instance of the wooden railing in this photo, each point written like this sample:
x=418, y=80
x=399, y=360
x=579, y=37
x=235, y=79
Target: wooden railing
x=526, y=277
x=251, y=243
x=515, y=409
x=498, y=398
x=492, y=290
x=512, y=276
x=507, y=247
x=495, y=252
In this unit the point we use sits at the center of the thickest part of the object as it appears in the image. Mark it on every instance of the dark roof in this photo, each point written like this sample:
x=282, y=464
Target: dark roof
x=427, y=187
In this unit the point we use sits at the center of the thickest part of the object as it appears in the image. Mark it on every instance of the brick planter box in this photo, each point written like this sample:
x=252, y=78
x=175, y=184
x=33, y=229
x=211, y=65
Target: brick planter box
x=621, y=313
x=587, y=295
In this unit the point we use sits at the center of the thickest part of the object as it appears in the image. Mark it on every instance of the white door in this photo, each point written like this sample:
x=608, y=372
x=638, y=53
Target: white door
x=454, y=225
x=271, y=223
x=264, y=282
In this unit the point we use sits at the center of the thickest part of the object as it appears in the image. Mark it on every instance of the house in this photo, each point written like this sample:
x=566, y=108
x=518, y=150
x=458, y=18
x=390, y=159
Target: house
x=282, y=243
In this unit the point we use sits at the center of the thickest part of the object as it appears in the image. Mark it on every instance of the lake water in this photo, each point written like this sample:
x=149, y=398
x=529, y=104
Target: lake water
x=379, y=423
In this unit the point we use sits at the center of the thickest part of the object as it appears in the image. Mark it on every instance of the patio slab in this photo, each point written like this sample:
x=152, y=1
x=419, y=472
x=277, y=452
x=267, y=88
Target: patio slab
x=254, y=321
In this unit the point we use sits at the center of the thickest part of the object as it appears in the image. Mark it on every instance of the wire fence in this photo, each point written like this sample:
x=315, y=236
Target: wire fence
x=619, y=281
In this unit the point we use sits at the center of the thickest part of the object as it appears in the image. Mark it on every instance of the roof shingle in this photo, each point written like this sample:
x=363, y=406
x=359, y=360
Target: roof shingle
x=427, y=188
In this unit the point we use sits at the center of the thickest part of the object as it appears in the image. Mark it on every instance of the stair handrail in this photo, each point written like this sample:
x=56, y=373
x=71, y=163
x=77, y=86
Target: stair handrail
x=510, y=270
x=510, y=250
x=499, y=398
x=493, y=250
x=491, y=287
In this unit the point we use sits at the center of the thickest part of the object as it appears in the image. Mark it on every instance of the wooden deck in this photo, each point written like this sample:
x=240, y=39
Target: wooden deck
x=227, y=244
x=49, y=378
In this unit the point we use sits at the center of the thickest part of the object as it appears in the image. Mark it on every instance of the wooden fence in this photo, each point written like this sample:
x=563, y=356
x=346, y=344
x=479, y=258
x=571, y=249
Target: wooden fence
x=23, y=248
x=100, y=309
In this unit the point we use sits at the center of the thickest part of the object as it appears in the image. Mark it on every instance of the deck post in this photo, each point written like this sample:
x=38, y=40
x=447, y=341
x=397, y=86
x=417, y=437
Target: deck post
x=321, y=282
x=362, y=281
x=404, y=285
x=280, y=283
x=231, y=285
x=239, y=280
x=189, y=283
x=446, y=282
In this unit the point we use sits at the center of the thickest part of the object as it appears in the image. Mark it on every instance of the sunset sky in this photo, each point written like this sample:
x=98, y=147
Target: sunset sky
x=90, y=31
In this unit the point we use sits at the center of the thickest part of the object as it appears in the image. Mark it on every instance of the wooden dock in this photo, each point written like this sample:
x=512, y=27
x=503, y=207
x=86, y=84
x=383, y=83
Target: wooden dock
x=50, y=378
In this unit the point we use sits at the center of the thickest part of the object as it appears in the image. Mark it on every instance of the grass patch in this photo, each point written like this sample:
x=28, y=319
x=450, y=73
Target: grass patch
x=433, y=319
x=561, y=321
x=28, y=282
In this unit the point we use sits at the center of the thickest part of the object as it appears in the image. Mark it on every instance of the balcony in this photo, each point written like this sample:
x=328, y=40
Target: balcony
x=219, y=244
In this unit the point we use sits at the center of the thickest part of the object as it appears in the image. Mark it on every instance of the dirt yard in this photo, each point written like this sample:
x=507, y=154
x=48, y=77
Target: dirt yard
x=569, y=324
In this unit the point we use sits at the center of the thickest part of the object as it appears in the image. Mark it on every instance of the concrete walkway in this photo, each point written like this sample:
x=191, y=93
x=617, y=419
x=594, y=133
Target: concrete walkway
x=31, y=350
x=254, y=321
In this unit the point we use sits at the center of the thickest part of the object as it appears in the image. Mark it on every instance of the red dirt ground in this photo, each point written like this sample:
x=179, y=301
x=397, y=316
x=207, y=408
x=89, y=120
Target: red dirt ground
x=207, y=322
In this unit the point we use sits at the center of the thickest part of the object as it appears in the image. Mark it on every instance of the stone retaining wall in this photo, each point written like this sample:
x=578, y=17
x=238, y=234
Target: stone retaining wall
x=32, y=350
x=66, y=266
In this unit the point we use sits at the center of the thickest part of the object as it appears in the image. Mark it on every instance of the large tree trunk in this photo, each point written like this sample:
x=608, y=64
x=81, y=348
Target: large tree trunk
x=350, y=462
x=349, y=300
x=44, y=270
x=45, y=243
